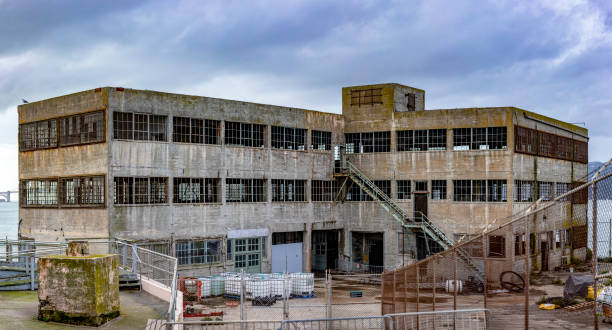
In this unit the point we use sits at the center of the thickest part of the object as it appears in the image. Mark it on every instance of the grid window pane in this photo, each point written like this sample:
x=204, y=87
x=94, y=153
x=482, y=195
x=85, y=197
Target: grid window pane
x=42, y=192
x=288, y=190
x=404, y=189
x=497, y=191
x=438, y=189
x=368, y=142
x=123, y=125
x=479, y=190
x=245, y=190
x=366, y=97
x=523, y=191
x=545, y=190
x=288, y=138
x=123, y=190
x=323, y=191
x=244, y=134
x=462, y=190
x=321, y=140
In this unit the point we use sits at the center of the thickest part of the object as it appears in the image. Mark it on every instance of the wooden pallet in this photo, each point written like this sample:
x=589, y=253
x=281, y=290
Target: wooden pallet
x=579, y=307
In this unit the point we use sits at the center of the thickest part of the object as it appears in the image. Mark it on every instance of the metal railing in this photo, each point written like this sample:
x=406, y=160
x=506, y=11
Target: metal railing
x=426, y=226
x=473, y=319
x=360, y=322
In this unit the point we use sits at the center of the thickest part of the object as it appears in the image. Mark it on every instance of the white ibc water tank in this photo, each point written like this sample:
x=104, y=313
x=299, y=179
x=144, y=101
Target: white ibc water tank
x=450, y=286
x=232, y=285
x=257, y=288
x=280, y=287
x=302, y=283
x=205, y=290
x=217, y=285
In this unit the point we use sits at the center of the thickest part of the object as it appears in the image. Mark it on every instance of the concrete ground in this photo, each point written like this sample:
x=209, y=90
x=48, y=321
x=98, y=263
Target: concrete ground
x=19, y=309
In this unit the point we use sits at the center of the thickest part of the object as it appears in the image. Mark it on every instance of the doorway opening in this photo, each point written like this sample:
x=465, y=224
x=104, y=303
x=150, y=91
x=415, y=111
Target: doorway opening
x=324, y=249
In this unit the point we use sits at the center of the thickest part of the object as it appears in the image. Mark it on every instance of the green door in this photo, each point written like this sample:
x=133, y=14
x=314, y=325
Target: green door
x=247, y=254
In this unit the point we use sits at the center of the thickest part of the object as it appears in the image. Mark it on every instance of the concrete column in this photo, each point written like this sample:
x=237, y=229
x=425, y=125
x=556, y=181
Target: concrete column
x=307, y=246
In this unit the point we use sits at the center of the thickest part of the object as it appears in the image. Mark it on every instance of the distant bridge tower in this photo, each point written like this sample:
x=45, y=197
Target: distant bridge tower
x=7, y=194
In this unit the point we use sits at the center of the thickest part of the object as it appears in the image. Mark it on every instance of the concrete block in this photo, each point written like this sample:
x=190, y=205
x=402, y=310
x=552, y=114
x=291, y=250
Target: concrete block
x=78, y=290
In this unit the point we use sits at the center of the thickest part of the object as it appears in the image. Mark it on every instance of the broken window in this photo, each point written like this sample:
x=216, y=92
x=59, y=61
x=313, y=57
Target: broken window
x=420, y=186
x=480, y=138
x=288, y=190
x=564, y=148
x=321, y=140
x=130, y=190
x=438, y=189
x=356, y=194
x=545, y=190
x=194, y=130
x=82, y=191
x=123, y=125
x=562, y=188
x=462, y=138
x=323, y=191
x=581, y=151
x=462, y=190
x=245, y=190
x=42, y=192
x=368, y=142
x=479, y=190
x=497, y=191
x=287, y=237
x=404, y=189
x=421, y=140
x=547, y=145
x=288, y=138
x=519, y=244
x=244, y=134
x=139, y=126
x=80, y=129
x=497, y=247
x=558, y=238
x=366, y=96
x=198, y=251
x=123, y=187
x=410, y=102
x=196, y=190
x=523, y=191
x=38, y=135
x=525, y=140
x=384, y=186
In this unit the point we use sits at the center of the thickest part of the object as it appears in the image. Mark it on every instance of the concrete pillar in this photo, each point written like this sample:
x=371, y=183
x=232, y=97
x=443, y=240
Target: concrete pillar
x=307, y=246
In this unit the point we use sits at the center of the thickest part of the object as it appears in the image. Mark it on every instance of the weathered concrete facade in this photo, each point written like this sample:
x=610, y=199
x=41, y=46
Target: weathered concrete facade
x=385, y=111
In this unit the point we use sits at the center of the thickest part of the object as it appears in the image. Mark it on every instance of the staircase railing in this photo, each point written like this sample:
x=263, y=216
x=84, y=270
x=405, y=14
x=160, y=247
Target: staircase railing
x=404, y=218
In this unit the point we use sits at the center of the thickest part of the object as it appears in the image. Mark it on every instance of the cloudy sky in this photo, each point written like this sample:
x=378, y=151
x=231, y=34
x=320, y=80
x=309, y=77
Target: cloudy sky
x=553, y=57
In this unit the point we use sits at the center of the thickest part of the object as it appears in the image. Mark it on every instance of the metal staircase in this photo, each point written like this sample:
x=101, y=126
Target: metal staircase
x=422, y=224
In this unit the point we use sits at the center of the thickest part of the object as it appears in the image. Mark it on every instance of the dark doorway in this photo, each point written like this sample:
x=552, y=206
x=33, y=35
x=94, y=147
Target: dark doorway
x=324, y=249
x=420, y=206
x=376, y=255
x=544, y=254
x=368, y=250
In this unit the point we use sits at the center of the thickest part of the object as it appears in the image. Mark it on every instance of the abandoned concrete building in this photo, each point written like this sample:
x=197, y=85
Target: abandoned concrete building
x=228, y=185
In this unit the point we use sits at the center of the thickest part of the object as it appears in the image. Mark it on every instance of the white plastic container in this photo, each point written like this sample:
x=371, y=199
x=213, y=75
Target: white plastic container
x=257, y=288
x=217, y=285
x=450, y=286
x=302, y=283
x=205, y=290
x=280, y=287
x=232, y=285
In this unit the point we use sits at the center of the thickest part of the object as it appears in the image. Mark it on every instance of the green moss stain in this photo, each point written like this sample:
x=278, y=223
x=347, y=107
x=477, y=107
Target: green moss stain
x=80, y=290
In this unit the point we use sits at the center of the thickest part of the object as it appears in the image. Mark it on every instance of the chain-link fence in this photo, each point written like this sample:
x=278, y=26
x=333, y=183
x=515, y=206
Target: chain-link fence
x=278, y=296
x=519, y=263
